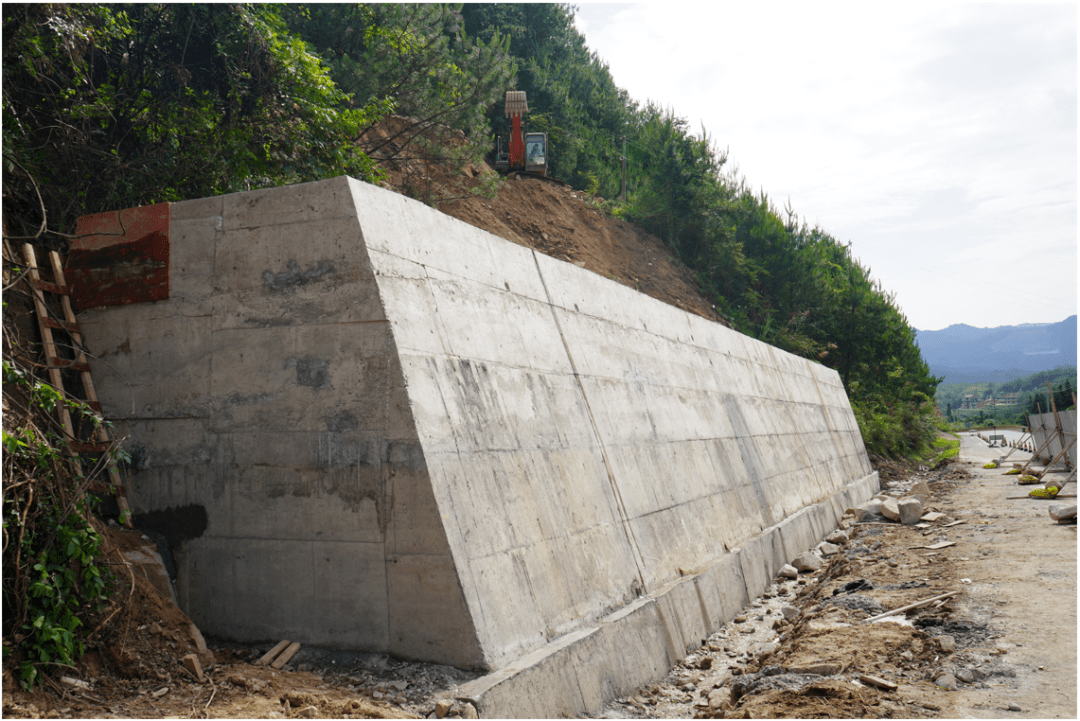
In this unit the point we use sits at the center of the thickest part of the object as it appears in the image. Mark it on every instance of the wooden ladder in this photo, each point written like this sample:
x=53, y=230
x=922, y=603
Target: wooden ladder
x=101, y=442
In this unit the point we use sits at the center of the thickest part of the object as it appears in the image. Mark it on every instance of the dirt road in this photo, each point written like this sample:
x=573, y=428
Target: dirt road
x=1022, y=568
x=1003, y=647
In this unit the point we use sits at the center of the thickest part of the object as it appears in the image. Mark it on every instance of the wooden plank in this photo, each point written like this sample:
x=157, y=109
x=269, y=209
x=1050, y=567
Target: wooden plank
x=1038, y=451
x=269, y=655
x=936, y=546
x=61, y=325
x=62, y=364
x=45, y=287
x=1057, y=422
x=105, y=488
x=286, y=655
x=879, y=682
x=954, y=523
x=88, y=446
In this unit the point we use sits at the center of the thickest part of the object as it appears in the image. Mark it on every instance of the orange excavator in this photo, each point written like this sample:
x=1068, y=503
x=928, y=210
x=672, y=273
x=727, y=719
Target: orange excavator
x=528, y=151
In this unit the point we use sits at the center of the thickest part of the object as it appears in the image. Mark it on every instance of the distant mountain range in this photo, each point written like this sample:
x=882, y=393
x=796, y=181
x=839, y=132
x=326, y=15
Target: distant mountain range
x=964, y=354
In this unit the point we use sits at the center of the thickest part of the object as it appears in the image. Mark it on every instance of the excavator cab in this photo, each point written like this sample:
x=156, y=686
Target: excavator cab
x=536, y=153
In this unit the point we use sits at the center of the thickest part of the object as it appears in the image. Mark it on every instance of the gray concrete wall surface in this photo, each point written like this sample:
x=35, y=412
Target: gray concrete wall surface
x=1046, y=436
x=365, y=424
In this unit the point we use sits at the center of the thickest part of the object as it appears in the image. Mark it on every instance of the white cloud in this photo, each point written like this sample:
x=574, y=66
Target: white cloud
x=943, y=132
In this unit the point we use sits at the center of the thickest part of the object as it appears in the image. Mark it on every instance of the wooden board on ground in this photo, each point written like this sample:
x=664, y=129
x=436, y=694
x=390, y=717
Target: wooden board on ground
x=286, y=655
x=269, y=655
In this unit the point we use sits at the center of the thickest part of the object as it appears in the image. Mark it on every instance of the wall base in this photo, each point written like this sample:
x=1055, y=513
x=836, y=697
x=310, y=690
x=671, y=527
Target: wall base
x=577, y=674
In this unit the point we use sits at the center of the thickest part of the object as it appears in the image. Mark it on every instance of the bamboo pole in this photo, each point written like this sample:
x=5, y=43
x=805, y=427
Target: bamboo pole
x=910, y=606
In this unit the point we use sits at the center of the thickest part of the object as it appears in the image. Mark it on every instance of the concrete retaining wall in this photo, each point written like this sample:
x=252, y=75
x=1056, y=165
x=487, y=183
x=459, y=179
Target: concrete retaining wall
x=1044, y=432
x=366, y=424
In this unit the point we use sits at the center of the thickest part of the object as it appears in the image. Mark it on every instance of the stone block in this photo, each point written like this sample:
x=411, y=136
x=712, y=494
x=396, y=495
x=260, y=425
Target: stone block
x=191, y=663
x=1062, y=511
x=910, y=511
x=808, y=561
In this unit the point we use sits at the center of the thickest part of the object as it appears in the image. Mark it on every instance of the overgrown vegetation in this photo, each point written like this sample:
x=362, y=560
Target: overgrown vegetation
x=54, y=578
x=945, y=448
x=112, y=106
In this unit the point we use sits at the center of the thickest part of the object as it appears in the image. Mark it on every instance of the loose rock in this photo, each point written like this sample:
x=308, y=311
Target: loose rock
x=947, y=643
x=910, y=511
x=1062, y=511
x=920, y=490
x=946, y=681
x=790, y=613
x=808, y=561
x=443, y=706
x=469, y=711
x=837, y=537
x=1015, y=707
x=816, y=669
x=870, y=508
x=789, y=571
x=719, y=698
x=828, y=549
x=191, y=663
x=890, y=508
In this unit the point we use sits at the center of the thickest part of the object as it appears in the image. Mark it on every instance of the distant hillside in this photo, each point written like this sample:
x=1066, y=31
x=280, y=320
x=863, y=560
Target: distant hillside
x=964, y=354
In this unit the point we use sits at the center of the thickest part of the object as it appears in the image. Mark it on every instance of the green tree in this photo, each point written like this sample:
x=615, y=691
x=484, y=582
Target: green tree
x=108, y=106
x=417, y=62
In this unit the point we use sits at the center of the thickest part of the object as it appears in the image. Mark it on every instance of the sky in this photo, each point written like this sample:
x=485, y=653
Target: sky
x=939, y=140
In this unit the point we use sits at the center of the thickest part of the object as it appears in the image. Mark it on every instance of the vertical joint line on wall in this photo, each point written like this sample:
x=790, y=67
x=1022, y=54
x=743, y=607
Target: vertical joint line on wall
x=748, y=452
x=627, y=529
x=824, y=409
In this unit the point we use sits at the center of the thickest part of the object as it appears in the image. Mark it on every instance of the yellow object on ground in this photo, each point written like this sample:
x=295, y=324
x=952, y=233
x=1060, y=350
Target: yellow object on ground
x=1012, y=472
x=1049, y=492
x=1027, y=480
x=991, y=464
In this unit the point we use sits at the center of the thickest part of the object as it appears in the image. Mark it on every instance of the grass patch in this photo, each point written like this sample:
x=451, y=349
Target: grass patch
x=944, y=448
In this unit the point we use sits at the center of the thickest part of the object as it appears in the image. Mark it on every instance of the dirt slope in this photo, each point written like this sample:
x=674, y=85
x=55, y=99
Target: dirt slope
x=561, y=222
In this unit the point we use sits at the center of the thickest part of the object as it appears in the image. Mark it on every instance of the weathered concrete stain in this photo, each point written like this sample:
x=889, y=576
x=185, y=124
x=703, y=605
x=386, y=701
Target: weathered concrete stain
x=287, y=281
x=341, y=422
x=258, y=399
x=311, y=372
